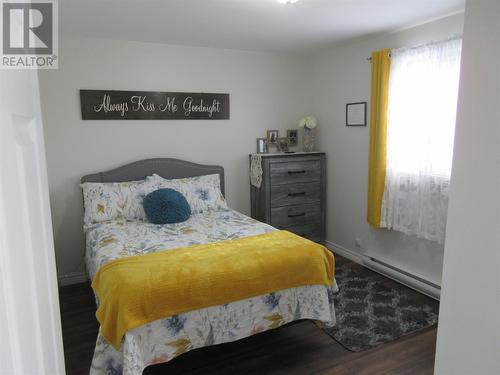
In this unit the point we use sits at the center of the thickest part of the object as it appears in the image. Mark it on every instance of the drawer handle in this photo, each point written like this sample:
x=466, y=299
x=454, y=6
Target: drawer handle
x=296, y=172
x=297, y=215
x=296, y=194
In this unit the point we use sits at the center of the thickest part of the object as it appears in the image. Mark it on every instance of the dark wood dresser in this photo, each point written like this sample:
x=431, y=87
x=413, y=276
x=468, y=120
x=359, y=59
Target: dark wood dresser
x=292, y=195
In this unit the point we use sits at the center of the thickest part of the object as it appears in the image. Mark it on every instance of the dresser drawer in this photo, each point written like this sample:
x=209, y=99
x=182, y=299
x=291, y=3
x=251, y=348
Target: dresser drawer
x=296, y=193
x=282, y=217
x=300, y=171
x=310, y=231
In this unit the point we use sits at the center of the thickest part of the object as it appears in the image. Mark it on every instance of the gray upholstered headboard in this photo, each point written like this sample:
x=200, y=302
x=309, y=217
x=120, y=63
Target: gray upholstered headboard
x=165, y=167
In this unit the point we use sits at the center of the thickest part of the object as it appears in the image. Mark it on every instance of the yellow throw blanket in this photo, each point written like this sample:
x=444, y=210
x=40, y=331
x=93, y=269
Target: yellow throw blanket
x=140, y=289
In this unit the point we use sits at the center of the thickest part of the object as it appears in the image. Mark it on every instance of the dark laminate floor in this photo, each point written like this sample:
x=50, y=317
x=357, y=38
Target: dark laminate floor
x=301, y=348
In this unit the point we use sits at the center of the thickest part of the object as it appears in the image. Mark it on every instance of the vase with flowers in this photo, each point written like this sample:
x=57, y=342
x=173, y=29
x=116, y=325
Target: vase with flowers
x=308, y=125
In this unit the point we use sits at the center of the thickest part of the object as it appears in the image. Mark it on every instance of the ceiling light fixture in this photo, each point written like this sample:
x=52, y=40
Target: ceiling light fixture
x=287, y=1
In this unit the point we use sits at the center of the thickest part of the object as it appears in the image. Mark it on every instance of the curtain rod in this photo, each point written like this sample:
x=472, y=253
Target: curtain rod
x=370, y=59
x=433, y=42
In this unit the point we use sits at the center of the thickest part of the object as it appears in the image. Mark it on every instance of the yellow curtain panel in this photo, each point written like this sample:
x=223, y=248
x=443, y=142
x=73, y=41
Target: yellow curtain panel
x=381, y=63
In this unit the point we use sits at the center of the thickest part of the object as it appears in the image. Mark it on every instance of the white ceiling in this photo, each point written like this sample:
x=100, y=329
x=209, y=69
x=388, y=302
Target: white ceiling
x=246, y=24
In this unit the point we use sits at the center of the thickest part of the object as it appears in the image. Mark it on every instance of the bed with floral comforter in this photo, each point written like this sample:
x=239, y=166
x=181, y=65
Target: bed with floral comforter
x=165, y=339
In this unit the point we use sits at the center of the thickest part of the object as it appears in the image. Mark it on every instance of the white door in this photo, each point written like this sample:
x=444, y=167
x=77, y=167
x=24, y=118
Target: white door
x=30, y=327
x=468, y=340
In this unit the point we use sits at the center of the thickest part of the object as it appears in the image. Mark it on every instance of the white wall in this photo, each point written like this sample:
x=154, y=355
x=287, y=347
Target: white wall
x=266, y=93
x=469, y=318
x=339, y=75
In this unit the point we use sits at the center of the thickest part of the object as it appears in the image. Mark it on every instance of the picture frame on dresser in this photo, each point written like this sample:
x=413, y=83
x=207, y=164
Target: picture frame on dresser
x=272, y=137
x=292, y=135
x=292, y=195
x=283, y=144
x=262, y=146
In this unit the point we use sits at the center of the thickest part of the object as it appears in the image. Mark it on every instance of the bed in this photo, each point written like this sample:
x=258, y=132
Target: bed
x=164, y=339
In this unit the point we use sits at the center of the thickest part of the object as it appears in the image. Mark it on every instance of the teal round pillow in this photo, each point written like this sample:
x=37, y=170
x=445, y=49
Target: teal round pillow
x=166, y=206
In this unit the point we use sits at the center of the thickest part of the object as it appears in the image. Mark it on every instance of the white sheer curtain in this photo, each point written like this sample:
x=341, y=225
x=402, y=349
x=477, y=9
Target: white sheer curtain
x=423, y=90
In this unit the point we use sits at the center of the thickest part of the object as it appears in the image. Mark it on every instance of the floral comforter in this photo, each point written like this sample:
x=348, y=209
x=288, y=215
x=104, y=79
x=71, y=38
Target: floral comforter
x=165, y=339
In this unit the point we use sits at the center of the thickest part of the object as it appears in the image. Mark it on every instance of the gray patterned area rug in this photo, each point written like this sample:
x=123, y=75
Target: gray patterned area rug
x=372, y=309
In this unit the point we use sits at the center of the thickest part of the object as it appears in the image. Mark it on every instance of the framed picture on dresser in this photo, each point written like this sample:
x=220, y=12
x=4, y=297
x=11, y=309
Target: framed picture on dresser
x=283, y=144
x=292, y=135
x=272, y=137
x=262, y=146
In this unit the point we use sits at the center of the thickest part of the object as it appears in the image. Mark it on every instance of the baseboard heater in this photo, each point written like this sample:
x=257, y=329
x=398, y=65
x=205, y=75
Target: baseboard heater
x=415, y=282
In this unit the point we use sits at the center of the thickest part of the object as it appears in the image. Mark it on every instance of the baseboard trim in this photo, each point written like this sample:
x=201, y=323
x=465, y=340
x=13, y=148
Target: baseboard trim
x=73, y=278
x=415, y=282
x=346, y=253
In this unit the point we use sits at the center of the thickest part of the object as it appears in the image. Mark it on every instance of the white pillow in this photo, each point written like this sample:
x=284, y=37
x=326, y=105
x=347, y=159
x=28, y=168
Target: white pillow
x=114, y=200
x=202, y=192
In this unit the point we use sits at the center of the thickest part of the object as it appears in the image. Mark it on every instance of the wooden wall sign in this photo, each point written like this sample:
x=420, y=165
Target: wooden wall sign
x=152, y=105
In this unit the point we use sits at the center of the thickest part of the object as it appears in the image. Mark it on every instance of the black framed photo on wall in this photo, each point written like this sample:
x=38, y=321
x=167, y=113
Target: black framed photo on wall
x=355, y=114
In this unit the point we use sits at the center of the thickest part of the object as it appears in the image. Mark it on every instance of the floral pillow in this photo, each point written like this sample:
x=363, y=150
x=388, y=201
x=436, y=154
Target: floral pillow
x=202, y=192
x=114, y=200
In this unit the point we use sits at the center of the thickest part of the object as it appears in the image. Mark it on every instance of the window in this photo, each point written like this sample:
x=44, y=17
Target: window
x=423, y=90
